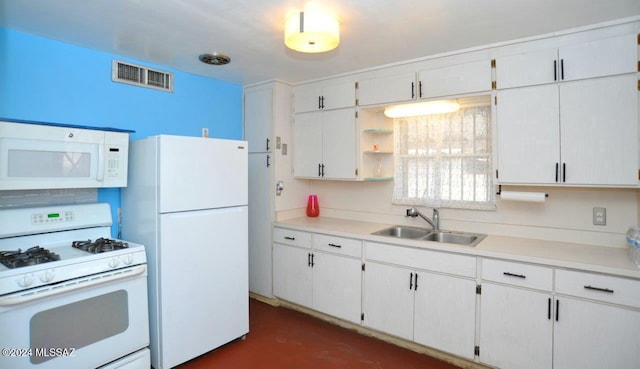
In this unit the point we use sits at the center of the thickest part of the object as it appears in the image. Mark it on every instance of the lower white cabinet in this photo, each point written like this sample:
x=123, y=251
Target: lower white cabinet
x=432, y=309
x=586, y=321
x=306, y=273
x=515, y=329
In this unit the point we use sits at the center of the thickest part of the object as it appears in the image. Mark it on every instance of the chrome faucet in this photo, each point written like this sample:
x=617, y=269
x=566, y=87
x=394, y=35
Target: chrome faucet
x=435, y=223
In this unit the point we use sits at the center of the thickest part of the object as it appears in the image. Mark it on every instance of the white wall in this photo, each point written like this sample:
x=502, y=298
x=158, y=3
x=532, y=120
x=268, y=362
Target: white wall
x=566, y=215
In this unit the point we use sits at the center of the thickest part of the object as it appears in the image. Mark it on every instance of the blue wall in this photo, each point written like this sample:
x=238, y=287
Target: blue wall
x=51, y=81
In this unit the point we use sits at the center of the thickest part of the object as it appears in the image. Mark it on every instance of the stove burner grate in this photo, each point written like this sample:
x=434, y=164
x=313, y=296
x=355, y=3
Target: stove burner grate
x=32, y=256
x=100, y=245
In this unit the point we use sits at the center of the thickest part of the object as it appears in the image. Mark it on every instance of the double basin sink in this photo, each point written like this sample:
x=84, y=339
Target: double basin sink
x=415, y=233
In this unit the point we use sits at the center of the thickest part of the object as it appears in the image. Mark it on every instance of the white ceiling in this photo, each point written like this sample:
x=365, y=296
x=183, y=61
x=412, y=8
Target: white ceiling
x=373, y=32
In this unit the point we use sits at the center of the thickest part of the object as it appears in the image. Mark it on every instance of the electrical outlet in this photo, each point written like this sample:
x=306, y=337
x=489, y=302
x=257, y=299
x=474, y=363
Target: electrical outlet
x=278, y=142
x=205, y=132
x=599, y=216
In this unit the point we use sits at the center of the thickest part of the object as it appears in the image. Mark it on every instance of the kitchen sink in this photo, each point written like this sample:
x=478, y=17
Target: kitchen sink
x=458, y=238
x=403, y=232
x=414, y=233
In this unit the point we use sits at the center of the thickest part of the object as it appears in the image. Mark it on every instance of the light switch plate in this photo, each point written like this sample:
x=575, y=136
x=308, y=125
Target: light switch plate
x=284, y=149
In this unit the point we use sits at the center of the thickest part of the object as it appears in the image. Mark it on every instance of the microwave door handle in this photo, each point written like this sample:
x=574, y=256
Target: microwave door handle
x=15, y=300
x=100, y=176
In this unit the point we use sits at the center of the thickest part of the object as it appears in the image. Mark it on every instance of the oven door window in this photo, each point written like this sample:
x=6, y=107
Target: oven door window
x=79, y=324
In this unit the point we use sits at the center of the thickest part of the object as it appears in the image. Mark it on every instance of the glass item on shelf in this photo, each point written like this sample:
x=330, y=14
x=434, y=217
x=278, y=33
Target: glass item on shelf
x=312, y=206
x=377, y=171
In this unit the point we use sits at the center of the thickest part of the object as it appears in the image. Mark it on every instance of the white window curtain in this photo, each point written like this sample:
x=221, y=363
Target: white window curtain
x=445, y=160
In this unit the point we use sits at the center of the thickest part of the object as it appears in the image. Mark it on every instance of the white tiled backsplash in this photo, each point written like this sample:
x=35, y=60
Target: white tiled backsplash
x=32, y=198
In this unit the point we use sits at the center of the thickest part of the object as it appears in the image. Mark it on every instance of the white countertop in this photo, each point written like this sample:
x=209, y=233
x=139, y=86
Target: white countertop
x=609, y=260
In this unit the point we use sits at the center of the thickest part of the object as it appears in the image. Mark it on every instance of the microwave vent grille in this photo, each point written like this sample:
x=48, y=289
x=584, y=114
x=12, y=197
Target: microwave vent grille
x=141, y=76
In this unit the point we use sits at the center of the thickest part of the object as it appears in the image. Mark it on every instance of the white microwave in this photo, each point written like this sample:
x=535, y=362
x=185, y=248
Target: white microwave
x=49, y=156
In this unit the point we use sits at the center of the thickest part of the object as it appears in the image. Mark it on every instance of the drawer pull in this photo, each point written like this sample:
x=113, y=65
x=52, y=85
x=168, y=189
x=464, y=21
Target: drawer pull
x=334, y=245
x=515, y=275
x=598, y=289
x=289, y=238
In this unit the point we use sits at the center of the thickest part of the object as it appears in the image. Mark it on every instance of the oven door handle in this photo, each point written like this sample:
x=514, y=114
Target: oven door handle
x=73, y=286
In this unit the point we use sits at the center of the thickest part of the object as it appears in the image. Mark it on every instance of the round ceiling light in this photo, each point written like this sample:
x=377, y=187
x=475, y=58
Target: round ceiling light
x=311, y=32
x=215, y=59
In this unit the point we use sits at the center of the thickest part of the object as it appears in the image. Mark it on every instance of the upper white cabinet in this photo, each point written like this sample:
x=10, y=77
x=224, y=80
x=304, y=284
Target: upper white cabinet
x=387, y=89
x=258, y=117
x=324, y=95
x=428, y=83
x=610, y=56
x=455, y=80
x=325, y=144
x=576, y=133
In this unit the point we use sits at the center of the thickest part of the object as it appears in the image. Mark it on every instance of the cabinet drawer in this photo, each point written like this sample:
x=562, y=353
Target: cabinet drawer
x=338, y=245
x=291, y=237
x=611, y=289
x=517, y=274
x=461, y=265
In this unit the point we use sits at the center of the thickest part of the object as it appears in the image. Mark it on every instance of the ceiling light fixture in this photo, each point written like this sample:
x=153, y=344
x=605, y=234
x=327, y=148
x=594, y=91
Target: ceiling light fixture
x=422, y=108
x=311, y=32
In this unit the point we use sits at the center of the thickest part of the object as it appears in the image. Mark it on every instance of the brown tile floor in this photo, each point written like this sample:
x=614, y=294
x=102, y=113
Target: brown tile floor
x=281, y=338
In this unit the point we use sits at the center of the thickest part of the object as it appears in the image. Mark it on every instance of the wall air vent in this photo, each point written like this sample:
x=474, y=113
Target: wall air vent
x=141, y=76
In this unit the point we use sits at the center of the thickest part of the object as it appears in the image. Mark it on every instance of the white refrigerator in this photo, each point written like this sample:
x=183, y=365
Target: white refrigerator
x=186, y=201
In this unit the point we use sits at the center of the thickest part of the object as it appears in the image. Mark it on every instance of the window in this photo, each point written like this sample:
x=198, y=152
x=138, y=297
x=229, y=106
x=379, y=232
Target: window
x=445, y=160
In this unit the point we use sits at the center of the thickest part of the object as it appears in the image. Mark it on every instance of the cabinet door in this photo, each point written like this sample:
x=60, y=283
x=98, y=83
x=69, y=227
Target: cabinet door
x=260, y=218
x=307, y=144
x=388, y=299
x=515, y=328
x=339, y=95
x=590, y=335
x=528, y=135
x=527, y=69
x=455, y=79
x=445, y=313
x=599, y=58
x=339, y=144
x=292, y=276
x=337, y=286
x=258, y=115
x=383, y=90
x=599, y=130
x=307, y=98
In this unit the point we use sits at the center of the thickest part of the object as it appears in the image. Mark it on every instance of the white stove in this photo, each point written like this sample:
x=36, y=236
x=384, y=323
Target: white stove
x=96, y=293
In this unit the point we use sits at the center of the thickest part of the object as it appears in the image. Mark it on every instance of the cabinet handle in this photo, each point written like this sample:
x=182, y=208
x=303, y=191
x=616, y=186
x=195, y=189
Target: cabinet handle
x=322, y=102
x=312, y=262
x=420, y=88
x=557, y=168
x=557, y=310
x=289, y=238
x=564, y=172
x=413, y=89
x=411, y=281
x=515, y=275
x=598, y=289
x=416, y=283
x=319, y=170
x=322, y=170
x=268, y=164
x=309, y=259
x=268, y=141
x=319, y=105
x=549, y=308
x=334, y=245
x=555, y=71
x=562, y=69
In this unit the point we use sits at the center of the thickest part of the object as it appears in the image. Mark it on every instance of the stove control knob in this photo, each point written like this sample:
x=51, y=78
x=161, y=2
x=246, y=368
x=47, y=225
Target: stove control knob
x=25, y=281
x=47, y=276
x=114, y=262
x=128, y=259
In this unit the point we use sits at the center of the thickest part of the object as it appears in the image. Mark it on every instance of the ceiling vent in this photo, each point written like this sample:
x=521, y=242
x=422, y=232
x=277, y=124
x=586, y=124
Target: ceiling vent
x=141, y=76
